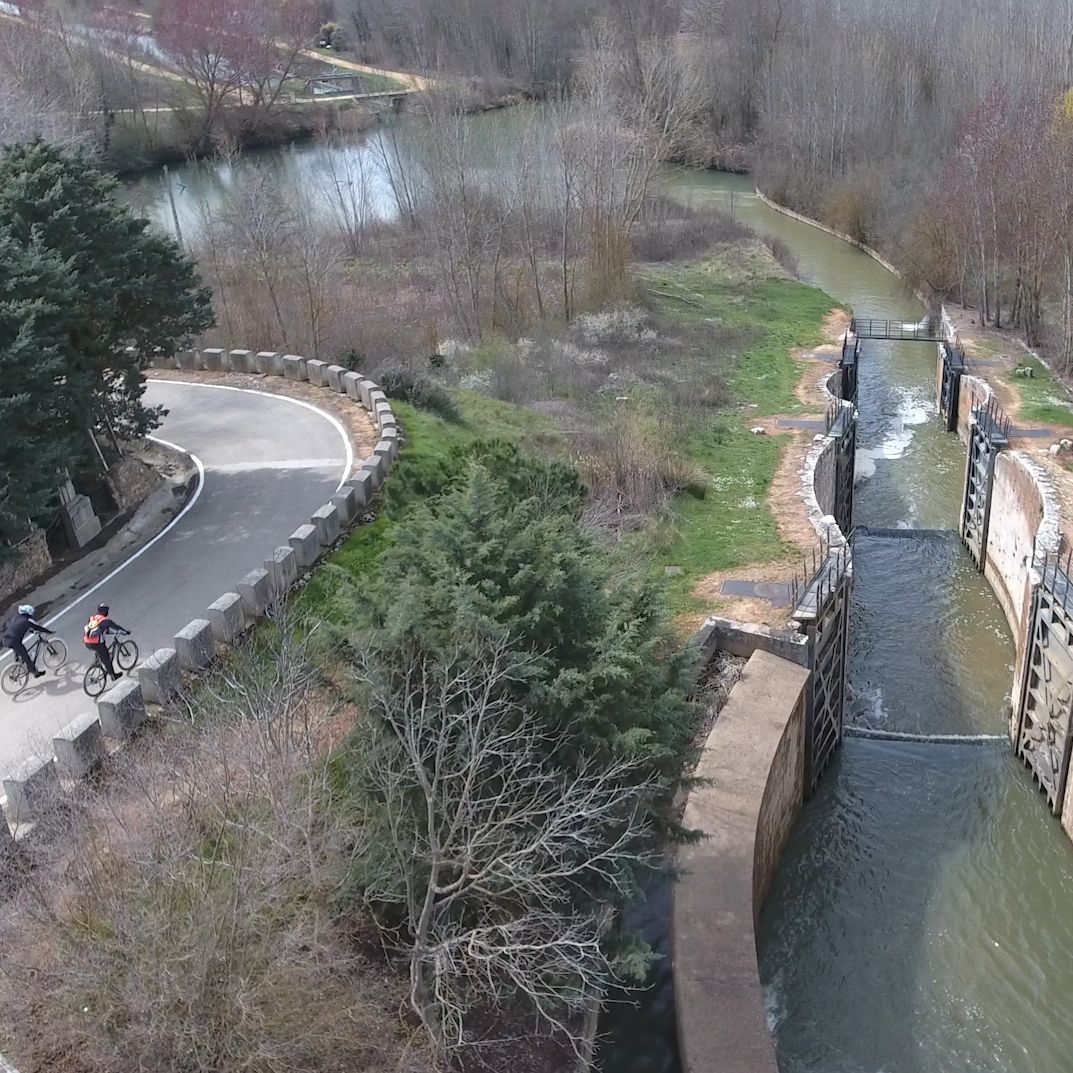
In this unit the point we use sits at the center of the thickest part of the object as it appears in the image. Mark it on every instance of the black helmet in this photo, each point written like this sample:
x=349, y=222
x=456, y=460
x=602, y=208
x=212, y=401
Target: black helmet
x=102, y=609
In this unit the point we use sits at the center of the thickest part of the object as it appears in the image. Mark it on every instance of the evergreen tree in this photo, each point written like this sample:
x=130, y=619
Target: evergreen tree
x=605, y=678
x=35, y=441
x=128, y=287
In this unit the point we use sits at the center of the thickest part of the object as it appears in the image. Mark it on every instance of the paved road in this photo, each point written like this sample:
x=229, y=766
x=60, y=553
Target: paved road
x=269, y=462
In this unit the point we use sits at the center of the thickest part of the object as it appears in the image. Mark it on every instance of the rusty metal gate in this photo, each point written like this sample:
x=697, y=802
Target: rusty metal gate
x=988, y=434
x=1043, y=739
x=848, y=367
x=953, y=367
x=821, y=613
x=842, y=424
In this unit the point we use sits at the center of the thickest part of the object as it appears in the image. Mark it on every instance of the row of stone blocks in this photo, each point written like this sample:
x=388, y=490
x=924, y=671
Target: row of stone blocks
x=81, y=746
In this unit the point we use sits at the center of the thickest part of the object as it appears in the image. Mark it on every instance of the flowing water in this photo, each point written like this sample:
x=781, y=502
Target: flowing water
x=921, y=917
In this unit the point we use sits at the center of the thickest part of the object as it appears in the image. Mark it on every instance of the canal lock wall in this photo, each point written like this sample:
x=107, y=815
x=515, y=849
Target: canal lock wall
x=1025, y=560
x=764, y=753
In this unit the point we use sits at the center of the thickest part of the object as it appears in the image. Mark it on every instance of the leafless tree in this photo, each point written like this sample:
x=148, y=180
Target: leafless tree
x=485, y=848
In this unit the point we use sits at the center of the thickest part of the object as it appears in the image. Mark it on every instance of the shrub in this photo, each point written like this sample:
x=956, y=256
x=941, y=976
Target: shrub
x=784, y=255
x=420, y=391
x=502, y=554
x=632, y=468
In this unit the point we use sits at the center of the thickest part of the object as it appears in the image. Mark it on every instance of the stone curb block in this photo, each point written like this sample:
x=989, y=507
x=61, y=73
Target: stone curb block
x=122, y=709
x=79, y=747
x=328, y=524
x=362, y=483
x=294, y=367
x=212, y=360
x=159, y=676
x=241, y=361
x=268, y=363
x=282, y=569
x=160, y=361
x=29, y=787
x=306, y=543
x=374, y=465
x=226, y=618
x=352, y=385
x=367, y=387
x=256, y=592
x=335, y=378
x=188, y=359
x=194, y=645
x=346, y=502
x=385, y=449
x=316, y=371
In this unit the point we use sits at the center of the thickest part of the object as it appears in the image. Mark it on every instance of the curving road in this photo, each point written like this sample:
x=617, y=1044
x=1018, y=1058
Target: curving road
x=267, y=462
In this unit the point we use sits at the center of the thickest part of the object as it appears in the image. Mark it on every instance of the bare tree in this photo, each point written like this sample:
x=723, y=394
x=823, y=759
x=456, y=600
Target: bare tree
x=496, y=859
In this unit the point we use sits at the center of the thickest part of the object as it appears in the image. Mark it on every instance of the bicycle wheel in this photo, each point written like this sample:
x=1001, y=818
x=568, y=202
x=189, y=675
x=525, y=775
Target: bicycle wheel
x=126, y=655
x=54, y=653
x=13, y=678
x=95, y=680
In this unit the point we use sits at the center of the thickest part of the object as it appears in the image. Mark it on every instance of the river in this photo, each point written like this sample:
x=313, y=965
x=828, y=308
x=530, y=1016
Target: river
x=920, y=919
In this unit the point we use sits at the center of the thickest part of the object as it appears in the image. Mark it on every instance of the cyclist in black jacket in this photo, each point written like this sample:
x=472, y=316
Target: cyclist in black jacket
x=15, y=629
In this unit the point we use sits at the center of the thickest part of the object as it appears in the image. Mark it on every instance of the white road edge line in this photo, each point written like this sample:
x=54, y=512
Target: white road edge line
x=338, y=425
x=201, y=486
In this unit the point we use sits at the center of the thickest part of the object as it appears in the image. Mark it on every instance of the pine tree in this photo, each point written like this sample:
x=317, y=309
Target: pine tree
x=35, y=442
x=128, y=287
x=604, y=677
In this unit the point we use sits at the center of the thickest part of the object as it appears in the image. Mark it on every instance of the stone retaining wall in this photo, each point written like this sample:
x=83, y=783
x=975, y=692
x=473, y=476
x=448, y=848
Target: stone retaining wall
x=752, y=772
x=123, y=708
x=31, y=559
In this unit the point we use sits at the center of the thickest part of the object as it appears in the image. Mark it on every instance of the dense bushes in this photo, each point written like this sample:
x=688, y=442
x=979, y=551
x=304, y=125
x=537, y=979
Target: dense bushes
x=531, y=722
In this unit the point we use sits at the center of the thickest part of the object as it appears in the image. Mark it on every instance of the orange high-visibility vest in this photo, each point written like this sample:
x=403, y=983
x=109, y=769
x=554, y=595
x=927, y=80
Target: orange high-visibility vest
x=92, y=631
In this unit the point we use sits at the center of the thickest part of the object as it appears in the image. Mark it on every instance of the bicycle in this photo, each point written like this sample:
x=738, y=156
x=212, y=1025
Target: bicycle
x=15, y=677
x=124, y=656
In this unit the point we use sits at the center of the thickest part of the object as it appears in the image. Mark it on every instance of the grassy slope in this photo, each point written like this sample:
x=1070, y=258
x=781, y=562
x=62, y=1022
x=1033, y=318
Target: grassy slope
x=732, y=525
x=1043, y=398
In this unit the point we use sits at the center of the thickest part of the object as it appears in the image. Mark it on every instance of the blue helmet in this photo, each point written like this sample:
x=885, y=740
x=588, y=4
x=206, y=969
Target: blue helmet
x=26, y=609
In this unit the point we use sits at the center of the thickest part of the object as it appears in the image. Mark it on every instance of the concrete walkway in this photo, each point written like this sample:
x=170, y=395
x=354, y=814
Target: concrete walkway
x=268, y=463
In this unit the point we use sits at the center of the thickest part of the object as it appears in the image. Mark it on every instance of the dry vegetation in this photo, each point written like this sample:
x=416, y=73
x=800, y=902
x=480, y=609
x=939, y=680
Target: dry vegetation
x=179, y=915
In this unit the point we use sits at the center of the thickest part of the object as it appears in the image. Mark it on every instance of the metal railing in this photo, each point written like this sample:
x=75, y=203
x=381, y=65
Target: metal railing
x=926, y=331
x=993, y=420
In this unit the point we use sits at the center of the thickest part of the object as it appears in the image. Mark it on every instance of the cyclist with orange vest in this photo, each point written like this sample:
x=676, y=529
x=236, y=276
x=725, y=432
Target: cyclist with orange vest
x=95, y=636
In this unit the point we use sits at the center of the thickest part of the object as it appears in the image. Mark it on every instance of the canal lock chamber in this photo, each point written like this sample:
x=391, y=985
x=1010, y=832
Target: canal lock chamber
x=920, y=917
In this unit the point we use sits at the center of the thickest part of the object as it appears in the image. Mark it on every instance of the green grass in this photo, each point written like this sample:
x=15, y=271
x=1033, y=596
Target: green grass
x=430, y=436
x=781, y=313
x=1043, y=398
x=732, y=526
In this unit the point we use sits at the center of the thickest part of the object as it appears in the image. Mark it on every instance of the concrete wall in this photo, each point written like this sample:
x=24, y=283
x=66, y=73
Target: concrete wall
x=1016, y=513
x=752, y=768
x=1023, y=515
